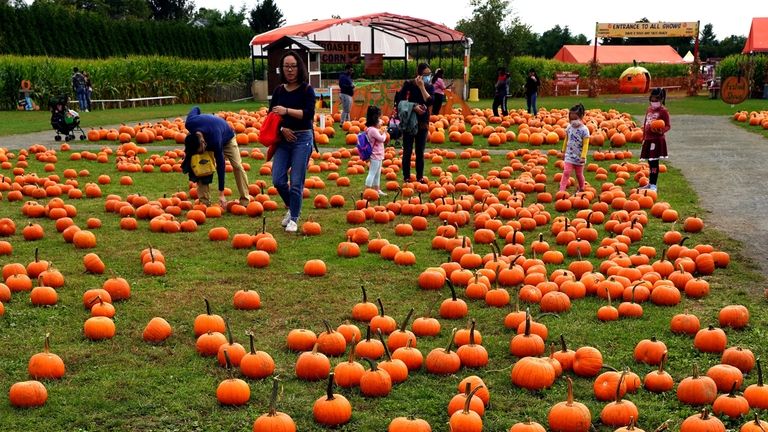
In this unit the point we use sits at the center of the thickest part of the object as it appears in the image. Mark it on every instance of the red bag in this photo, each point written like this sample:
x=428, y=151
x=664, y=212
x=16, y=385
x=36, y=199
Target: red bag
x=269, y=134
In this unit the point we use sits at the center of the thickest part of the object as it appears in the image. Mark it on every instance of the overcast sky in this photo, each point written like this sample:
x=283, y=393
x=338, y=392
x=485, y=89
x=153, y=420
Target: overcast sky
x=540, y=15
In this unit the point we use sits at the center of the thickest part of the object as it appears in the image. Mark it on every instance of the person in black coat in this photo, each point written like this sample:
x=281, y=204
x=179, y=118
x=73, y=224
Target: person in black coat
x=419, y=91
x=532, y=84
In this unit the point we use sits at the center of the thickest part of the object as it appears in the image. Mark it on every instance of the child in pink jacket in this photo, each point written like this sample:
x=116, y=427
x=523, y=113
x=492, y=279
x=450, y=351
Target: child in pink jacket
x=376, y=137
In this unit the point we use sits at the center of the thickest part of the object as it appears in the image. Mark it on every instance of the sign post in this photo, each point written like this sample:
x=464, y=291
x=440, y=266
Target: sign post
x=566, y=79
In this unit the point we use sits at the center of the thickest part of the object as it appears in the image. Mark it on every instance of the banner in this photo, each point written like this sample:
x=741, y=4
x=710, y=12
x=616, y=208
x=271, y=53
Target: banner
x=648, y=30
x=339, y=52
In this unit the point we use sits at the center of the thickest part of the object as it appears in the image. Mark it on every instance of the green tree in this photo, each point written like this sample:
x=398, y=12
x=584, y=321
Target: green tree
x=214, y=17
x=550, y=42
x=733, y=44
x=265, y=16
x=708, y=43
x=495, y=31
x=171, y=10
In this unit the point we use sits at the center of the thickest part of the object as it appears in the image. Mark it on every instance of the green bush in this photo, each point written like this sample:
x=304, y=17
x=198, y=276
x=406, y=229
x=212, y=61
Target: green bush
x=121, y=78
x=483, y=72
x=733, y=65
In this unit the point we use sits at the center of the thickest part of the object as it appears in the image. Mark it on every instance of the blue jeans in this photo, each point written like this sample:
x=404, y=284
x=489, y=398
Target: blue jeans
x=293, y=156
x=82, y=99
x=346, y=106
x=531, y=99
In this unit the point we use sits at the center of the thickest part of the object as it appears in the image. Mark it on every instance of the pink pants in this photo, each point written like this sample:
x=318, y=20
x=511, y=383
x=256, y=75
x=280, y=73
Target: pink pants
x=579, y=169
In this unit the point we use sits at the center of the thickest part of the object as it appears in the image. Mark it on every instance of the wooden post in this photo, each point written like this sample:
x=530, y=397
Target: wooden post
x=593, y=70
x=693, y=87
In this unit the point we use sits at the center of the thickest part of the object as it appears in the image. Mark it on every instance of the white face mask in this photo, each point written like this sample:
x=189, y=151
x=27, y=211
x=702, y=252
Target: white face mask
x=655, y=104
x=575, y=123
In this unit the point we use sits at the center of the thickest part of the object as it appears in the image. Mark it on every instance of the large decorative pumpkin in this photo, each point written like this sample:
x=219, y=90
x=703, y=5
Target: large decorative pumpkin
x=635, y=80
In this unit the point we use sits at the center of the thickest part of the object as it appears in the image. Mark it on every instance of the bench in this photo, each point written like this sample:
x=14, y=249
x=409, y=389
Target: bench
x=159, y=99
x=103, y=102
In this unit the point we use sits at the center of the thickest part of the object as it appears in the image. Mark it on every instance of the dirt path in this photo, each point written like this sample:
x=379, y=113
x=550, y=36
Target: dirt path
x=726, y=166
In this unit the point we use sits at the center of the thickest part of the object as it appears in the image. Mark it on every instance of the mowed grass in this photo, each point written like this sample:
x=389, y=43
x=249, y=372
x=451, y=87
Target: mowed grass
x=126, y=384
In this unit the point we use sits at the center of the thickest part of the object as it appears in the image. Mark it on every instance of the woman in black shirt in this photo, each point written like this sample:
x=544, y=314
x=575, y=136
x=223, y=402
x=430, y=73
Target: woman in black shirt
x=294, y=100
x=418, y=91
x=532, y=84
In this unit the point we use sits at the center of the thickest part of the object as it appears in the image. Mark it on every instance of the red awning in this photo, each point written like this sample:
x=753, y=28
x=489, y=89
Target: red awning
x=758, y=36
x=412, y=30
x=619, y=54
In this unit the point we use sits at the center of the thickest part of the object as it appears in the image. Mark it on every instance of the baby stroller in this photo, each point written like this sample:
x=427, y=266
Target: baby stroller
x=64, y=120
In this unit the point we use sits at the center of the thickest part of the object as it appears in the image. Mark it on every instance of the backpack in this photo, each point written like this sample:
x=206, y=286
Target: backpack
x=364, y=146
x=78, y=80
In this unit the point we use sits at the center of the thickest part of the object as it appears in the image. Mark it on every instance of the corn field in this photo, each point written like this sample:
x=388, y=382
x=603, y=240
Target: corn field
x=122, y=78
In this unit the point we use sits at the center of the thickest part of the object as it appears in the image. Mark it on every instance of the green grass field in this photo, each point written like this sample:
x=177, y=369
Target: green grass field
x=19, y=122
x=128, y=385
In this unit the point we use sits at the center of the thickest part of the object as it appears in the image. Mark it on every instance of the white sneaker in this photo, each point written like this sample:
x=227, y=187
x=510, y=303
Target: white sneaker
x=286, y=218
x=652, y=187
x=292, y=226
x=382, y=193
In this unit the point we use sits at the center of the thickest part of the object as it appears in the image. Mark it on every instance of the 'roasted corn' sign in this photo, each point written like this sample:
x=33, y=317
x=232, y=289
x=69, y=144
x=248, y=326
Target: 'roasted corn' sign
x=644, y=29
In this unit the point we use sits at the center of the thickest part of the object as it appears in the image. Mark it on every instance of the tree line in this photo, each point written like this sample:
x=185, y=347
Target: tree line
x=498, y=33
x=109, y=28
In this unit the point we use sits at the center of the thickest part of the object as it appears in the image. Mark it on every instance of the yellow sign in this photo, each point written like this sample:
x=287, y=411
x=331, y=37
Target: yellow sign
x=643, y=29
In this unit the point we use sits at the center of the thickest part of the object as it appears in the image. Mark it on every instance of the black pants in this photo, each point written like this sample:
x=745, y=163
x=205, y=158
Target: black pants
x=654, y=171
x=421, y=142
x=499, y=101
x=437, y=103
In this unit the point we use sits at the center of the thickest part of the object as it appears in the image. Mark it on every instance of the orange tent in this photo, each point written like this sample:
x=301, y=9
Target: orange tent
x=758, y=36
x=619, y=54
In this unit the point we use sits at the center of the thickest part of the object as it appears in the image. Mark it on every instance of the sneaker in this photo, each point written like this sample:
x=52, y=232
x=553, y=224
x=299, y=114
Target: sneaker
x=652, y=187
x=382, y=193
x=244, y=202
x=644, y=187
x=291, y=227
x=286, y=218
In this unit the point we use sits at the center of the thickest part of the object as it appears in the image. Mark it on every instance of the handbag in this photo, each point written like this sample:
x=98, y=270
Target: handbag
x=203, y=164
x=269, y=134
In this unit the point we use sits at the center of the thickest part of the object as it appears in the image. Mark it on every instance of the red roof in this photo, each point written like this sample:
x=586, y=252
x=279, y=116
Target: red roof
x=619, y=54
x=758, y=36
x=412, y=30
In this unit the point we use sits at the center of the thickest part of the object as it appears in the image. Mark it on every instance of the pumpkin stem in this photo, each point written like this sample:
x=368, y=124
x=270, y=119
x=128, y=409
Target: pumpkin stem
x=250, y=341
x=682, y=240
x=329, y=389
x=94, y=300
x=569, y=400
x=695, y=371
x=381, y=306
x=562, y=343
x=368, y=333
x=467, y=389
x=704, y=414
x=372, y=363
x=527, y=322
x=47, y=346
x=365, y=295
x=618, y=386
x=36, y=259
x=662, y=427
x=450, y=341
x=229, y=364
x=273, y=398
x=578, y=250
x=383, y=342
x=607, y=291
x=351, y=353
x=328, y=328
x=732, y=393
x=609, y=367
x=453, y=290
x=469, y=398
x=314, y=348
x=661, y=363
x=759, y=373
x=472, y=333
x=229, y=332
x=405, y=321
x=207, y=306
